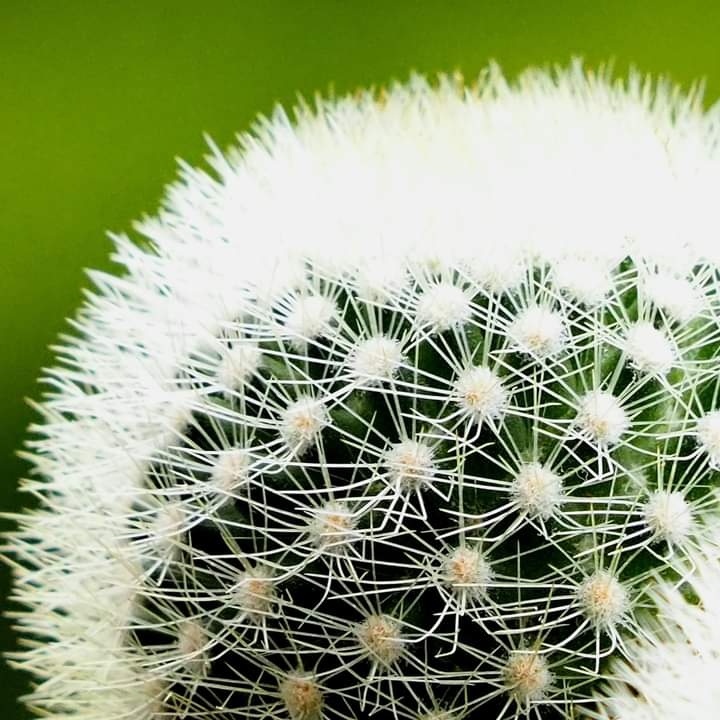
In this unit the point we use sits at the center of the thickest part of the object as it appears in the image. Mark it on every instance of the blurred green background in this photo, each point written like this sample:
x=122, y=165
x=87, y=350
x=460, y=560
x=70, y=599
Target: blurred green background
x=98, y=98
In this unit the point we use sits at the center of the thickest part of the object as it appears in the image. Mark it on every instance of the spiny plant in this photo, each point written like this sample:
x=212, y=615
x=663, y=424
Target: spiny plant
x=403, y=411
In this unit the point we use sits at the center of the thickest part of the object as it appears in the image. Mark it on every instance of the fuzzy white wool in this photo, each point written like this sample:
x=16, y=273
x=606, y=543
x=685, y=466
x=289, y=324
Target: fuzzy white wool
x=537, y=490
x=480, y=393
x=302, y=697
x=708, y=435
x=669, y=516
x=309, y=317
x=192, y=647
x=527, y=677
x=538, y=331
x=376, y=359
x=302, y=422
x=466, y=570
x=410, y=464
x=443, y=306
x=602, y=418
x=675, y=295
x=649, y=349
x=239, y=363
x=586, y=280
x=380, y=637
x=231, y=470
x=498, y=270
x=603, y=599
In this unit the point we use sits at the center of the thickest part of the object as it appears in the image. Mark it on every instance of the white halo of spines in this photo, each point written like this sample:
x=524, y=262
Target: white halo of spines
x=302, y=697
x=538, y=331
x=238, y=364
x=677, y=296
x=410, y=464
x=527, y=678
x=602, y=418
x=708, y=436
x=167, y=530
x=649, y=349
x=481, y=394
x=669, y=516
x=192, y=647
x=255, y=593
x=537, y=490
x=443, y=306
x=585, y=280
x=467, y=571
x=381, y=279
x=333, y=525
x=604, y=600
x=231, y=470
x=380, y=636
x=302, y=422
x=376, y=359
x=497, y=271
x=309, y=317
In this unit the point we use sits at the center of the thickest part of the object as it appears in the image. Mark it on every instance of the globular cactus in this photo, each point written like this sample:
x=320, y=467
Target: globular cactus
x=404, y=410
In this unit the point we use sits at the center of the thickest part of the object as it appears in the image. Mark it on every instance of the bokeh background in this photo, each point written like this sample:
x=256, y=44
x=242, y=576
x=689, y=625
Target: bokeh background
x=98, y=98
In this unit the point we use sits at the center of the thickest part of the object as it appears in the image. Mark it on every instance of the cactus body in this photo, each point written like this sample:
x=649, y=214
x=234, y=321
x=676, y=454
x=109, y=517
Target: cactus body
x=381, y=426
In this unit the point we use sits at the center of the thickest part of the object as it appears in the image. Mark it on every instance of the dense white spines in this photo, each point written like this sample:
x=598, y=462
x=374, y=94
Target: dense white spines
x=332, y=524
x=238, y=365
x=603, y=599
x=481, y=394
x=302, y=697
x=302, y=422
x=309, y=317
x=361, y=442
x=254, y=592
x=381, y=638
x=381, y=279
x=192, y=647
x=167, y=530
x=410, y=464
x=675, y=295
x=537, y=490
x=669, y=516
x=443, y=306
x=649, y=349
x=527, y=677
x=231, y=470
x=586, y=281
x=602, y=418
x=377, y=359
x=498, y=271
x=708, y=435
x=467, y=571
x=538, y=331
x=672, y=670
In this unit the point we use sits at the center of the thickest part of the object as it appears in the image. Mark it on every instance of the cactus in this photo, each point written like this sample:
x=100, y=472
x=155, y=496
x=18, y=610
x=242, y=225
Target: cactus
x=404, y=410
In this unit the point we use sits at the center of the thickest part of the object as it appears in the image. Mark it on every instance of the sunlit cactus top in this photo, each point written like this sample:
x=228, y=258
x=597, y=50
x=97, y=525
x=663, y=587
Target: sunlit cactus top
x=402, y=410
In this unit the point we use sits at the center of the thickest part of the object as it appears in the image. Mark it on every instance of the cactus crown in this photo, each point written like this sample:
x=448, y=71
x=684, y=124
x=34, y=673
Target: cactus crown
x=433, y=488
